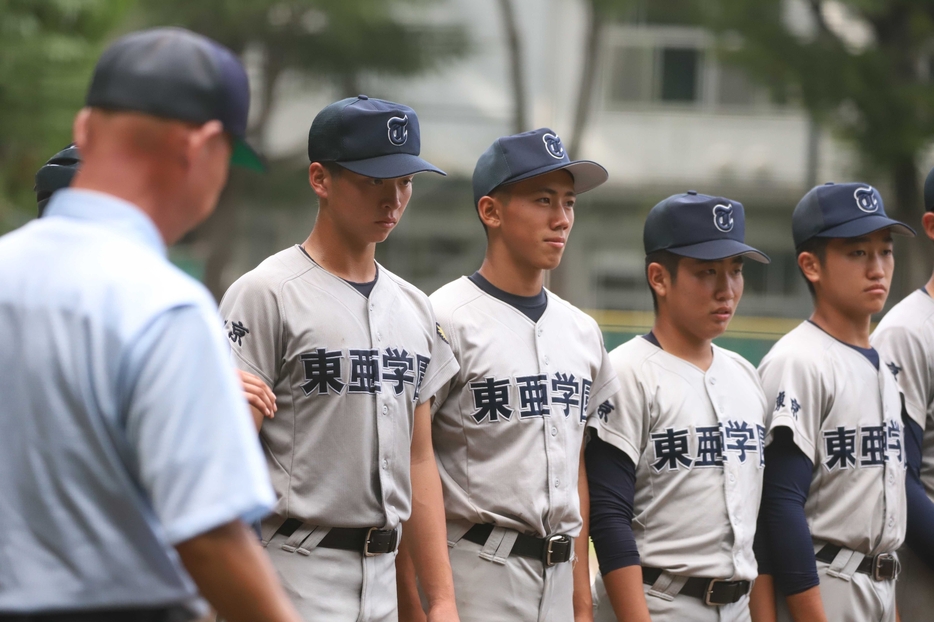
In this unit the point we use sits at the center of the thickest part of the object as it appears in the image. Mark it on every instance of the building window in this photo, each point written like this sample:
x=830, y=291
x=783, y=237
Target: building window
x=679, y=74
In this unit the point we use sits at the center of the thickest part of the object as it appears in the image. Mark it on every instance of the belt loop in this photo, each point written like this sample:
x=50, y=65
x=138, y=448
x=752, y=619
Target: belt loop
x=269, y=527
x=667, y=586
x=498, y=545
x=456, y=531
x=845, y=564
x=315, y=536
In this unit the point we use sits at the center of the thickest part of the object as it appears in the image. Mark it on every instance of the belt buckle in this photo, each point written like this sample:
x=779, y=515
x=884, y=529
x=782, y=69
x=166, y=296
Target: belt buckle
x=708, y=593
x=885, y=566
x=550, y=548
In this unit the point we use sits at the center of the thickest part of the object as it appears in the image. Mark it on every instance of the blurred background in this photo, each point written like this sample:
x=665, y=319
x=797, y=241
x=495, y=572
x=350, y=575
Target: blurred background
x=755, y=100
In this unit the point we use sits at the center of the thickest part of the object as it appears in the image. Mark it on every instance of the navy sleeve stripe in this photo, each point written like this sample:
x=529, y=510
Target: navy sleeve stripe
x=611, y=476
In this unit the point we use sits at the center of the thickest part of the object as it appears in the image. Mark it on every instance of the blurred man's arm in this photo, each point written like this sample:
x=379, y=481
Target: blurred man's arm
x=233, y=574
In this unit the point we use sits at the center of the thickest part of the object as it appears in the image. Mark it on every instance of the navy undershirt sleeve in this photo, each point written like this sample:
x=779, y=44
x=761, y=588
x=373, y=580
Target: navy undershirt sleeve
x=784, y=549
x=920, y=536
x=611, y=476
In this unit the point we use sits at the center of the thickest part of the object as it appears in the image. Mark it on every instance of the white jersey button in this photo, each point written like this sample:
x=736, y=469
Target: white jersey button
x=385, y=463
x=546, y=359
x=557, y=483
x=539, y=332
x=554, y=431
x=385, y=409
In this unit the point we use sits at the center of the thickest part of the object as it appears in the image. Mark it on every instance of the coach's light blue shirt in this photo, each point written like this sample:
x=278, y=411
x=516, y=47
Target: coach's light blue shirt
x=123, y=430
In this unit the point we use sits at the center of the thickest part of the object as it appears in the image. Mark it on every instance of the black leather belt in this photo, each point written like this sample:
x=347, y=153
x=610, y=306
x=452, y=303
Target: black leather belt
x=552, y=550
x=106, y=615
x=714, y=592
x=882, y=567
x=369, y=541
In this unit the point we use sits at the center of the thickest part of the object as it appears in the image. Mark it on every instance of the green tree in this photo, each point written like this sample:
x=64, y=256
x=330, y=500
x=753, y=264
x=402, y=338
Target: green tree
x=47, y=51
x=865, y=69
x=334, y=41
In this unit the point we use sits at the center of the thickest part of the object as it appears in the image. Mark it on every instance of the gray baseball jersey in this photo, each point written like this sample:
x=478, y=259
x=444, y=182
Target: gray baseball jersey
x=846, y=417
x=905, y=339
x=697, y=441
x=347, y=372
x=508, y=427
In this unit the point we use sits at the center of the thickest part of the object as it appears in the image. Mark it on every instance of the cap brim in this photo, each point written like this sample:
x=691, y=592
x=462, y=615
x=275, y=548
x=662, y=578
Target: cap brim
x=245, y=156
x=391, y=166
x=587, y=174
x=715, y=250
x=865, y=226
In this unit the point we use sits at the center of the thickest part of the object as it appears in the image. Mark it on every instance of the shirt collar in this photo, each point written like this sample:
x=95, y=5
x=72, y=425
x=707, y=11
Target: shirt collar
x=109, y=211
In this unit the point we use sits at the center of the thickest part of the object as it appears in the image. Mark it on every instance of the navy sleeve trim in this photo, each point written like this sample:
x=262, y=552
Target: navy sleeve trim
x=611, y=476
x=920, y=535
x=783, y=544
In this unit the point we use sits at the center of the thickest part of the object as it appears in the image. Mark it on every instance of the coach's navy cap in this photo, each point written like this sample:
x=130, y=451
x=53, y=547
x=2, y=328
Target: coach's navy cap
x=514, y=158
x=699, y=226
x=176, y=74
x=371, y=137
x=929, y=192
x=841, y=211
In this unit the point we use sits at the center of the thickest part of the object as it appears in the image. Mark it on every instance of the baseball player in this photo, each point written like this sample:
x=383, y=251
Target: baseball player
x=128, y=465
x=905, y=339
x=833, y=503
x=508, y=427
x=56, y=174
x=676, y=470
x=353, y=353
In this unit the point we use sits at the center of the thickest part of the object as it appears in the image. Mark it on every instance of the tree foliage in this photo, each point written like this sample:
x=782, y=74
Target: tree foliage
x=864, y=68
x=47, y=51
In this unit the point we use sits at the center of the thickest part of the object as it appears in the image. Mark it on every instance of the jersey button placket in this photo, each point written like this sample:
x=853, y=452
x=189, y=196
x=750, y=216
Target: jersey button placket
x=383, y=429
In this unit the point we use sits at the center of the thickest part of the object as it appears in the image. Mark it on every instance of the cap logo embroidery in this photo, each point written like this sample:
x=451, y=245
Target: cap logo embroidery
x=866, y=199
x=723, y=217
x=398, y=130
x=554, y=146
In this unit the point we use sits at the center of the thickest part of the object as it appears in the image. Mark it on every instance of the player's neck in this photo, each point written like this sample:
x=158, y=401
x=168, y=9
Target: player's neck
x=346, y=258
x=681, y=343
x=930, y=287
x=509, y=276
x=853, y=330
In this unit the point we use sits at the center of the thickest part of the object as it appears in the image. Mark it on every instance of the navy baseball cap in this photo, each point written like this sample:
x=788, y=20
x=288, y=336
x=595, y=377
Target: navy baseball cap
x=700, y=227
x=56, y=174
x=370, y=137
x=521, y=156
x=929, y=192
x=174, y=73
x=842, y=211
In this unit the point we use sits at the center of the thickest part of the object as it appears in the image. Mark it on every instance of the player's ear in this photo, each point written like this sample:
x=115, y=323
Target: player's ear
x=810, y=266
x=927, y=221
x=490, y=211
x=319, y=179
x=79, y=129
x=659, y=279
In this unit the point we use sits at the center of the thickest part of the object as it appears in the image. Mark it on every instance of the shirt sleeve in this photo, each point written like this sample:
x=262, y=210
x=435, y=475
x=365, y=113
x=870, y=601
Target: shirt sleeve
x=442, y=365
x=254, y=326
x=611, y=476
x=197, y=456
x=903, y=351
x=784, y=547
x=604, y=396
x=624, y=426
x=798, y=389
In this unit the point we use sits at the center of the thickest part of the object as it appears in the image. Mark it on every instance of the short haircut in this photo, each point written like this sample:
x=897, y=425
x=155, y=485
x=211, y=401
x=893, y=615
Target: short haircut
x=817, y=247
x=333, y=168
x=667, y=260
